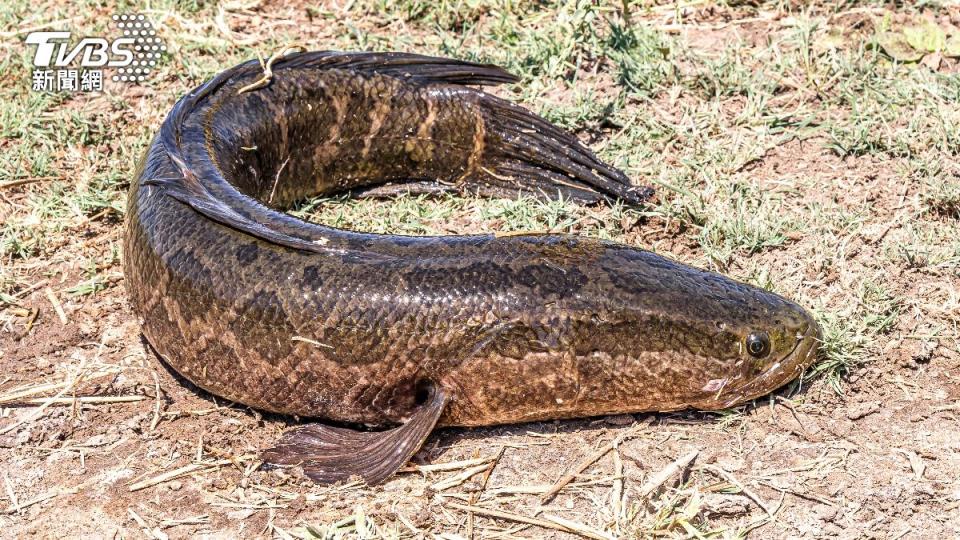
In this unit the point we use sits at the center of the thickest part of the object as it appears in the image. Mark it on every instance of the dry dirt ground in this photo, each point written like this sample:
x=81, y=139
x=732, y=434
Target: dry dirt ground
x=787, y=148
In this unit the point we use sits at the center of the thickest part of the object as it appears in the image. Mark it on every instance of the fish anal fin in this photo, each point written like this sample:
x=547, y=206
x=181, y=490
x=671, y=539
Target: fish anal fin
x=331, y=454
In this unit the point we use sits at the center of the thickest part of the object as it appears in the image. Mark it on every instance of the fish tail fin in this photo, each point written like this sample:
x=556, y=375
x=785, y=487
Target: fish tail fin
x=524, y=153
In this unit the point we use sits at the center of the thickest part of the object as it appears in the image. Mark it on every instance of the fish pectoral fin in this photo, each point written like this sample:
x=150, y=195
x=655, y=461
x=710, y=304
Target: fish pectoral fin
x=330, y=454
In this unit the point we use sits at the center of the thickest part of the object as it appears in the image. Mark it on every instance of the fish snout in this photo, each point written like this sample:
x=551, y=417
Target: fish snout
x=805, y=353
x=781, y=371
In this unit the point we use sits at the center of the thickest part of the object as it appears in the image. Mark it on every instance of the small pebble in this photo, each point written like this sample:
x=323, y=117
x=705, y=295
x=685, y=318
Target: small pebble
x=827, y=513
x=861, y=410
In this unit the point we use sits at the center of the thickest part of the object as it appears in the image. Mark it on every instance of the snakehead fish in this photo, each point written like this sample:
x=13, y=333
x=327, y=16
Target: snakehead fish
x=384, y=337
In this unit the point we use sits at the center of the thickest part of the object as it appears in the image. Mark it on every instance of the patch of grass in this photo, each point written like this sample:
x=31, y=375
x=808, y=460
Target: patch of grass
x=726, y=76
x=641, y=56
x=844, y=348
x=897, y=110
x=880, y=306
x=942, y=196
x=750, y=222
x=927, y=247
x=418, y=214
x=675, y=512
x=850, y=336
x=94, y=279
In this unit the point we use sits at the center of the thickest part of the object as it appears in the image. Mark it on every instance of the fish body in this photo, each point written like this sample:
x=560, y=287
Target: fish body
x=405, y=333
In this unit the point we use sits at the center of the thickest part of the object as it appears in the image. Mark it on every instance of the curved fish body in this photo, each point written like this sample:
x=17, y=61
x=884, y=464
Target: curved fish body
x=405, y=333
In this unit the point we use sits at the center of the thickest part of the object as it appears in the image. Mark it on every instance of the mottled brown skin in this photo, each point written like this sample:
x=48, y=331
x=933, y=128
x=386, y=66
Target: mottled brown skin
x=270, y=311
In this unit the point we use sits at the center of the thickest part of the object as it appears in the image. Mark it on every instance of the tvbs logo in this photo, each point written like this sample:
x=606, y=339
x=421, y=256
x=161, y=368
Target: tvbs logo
x=62, y=66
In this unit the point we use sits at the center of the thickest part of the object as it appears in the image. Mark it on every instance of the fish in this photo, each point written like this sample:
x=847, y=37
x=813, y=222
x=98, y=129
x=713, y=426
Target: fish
x=383, y=338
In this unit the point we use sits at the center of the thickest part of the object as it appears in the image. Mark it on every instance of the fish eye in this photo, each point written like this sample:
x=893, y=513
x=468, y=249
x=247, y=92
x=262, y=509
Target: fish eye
x=758, y=344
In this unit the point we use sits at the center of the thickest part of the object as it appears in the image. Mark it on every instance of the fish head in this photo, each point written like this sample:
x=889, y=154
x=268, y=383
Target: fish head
x=690, y=338
x=754, y=355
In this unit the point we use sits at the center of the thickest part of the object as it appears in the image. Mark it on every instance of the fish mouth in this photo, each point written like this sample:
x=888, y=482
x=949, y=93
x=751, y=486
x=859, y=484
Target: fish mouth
x=782, y=371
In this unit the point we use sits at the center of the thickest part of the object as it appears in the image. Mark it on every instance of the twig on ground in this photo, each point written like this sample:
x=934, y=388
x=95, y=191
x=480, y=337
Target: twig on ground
x=39, y=499
x=31, y=318
x=744, y=489
x=196, y=520
x=220, y=22
x=942, y=408
x=156, y=409
x=667, y=472
x=150, y=532
x=460, y=478
x=763, y=521
x=85, y=400
x=57, y=307
x=540, y=489
x=448, y=466
x=177, y=473
x=483, y=487
x=81, y=372
x=10, y=493
x=25, y=181
x=799, y=494
x=21, y=394
x=550, y=522
x=582, y=466
x=616, y=493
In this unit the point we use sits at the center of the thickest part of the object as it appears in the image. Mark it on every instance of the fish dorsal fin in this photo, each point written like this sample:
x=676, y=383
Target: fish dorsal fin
x=426, y=69
x=330, y=454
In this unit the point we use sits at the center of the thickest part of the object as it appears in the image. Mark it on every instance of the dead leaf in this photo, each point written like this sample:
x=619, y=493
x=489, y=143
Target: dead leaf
x=952, y=47
x=926, y=37
x=832, y=40
x=896, y=45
